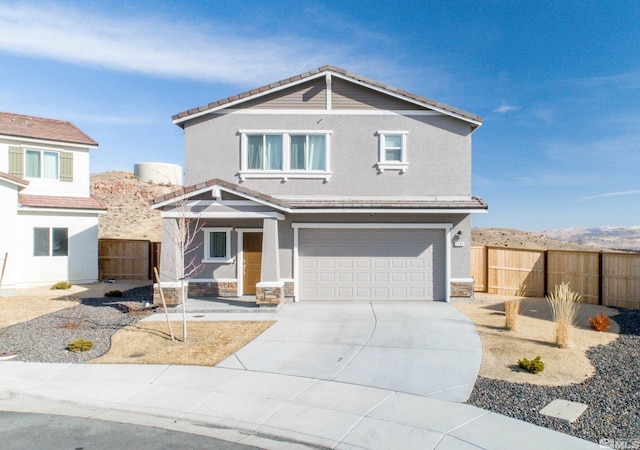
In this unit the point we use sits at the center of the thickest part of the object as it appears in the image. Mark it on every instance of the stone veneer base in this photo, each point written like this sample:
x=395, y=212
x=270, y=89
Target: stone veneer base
x=462, y=289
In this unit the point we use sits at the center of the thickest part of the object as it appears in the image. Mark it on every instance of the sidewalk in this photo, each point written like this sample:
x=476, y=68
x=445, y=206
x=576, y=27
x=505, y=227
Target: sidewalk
x=263, y=409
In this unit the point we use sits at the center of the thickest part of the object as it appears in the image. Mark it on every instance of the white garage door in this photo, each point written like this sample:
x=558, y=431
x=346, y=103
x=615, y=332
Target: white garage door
x=364, y=264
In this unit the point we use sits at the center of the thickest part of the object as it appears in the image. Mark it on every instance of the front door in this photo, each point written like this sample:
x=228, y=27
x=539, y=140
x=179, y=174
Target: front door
x=252, y=253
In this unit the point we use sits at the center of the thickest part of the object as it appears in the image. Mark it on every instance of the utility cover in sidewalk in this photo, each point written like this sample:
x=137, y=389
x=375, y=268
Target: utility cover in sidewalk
x=564, y=409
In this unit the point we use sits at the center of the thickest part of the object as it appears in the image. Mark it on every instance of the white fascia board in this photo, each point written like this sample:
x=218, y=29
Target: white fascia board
x=182, y=197
x=333, y=112
x=21, y=140
x=221, y=215
x=385, y=211
x=88, y=212
x=377, y=225
x=249, y=97
x=409, y=100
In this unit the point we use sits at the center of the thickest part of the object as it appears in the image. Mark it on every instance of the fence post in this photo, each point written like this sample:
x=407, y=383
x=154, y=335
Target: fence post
x=601, y=278
x=545, y=262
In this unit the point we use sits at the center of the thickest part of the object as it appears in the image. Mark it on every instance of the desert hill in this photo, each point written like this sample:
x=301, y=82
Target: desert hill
x=507, y=237
x=127, y=200
x=623, y=238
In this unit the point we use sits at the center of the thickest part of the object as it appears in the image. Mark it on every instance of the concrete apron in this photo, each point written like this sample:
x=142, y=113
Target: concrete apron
x=423, y=348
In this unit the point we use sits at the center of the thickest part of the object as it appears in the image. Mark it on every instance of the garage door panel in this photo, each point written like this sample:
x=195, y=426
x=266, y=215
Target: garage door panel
x=372, y=264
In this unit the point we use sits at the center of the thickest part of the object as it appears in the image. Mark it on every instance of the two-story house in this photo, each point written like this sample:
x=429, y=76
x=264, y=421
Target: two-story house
x=49, y=226
x=326, y=186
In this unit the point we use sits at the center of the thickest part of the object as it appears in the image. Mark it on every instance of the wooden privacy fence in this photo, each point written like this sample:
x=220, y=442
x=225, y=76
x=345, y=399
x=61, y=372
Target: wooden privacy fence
x=127, y=259
x=610, y=279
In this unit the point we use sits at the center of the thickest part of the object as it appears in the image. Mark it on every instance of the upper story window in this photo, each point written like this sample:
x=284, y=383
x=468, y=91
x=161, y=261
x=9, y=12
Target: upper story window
x=41, y=164
x=392, y=151
x=284, y=154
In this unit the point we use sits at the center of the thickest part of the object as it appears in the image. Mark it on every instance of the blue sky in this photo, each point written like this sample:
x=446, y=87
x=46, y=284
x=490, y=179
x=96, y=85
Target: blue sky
x=557, y=83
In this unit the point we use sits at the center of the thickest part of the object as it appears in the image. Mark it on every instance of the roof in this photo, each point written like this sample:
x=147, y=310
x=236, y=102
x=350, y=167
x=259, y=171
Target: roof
x=46, y=201
x=14, y=180
x=428, y=103
x=332, y=202
x=33, y=127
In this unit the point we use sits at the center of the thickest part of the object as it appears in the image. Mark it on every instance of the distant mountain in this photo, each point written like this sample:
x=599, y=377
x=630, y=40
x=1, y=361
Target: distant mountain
x=620, y=238
x=507, y=237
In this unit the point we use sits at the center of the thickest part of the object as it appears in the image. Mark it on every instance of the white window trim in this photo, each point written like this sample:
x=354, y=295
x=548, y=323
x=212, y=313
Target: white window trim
x=42, y=150
x=228, y=259
x=286, y=173
x=383, y=164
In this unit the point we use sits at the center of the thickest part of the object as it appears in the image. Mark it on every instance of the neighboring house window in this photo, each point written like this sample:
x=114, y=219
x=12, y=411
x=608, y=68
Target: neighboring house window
x=217, y=244
x=392, y=151
x=284, y=154
x=41, y=164
x=37, y=163
x=50, y=242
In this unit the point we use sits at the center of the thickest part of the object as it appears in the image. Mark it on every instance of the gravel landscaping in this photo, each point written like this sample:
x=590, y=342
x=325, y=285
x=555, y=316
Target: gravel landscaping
x=612, y=394
x=45, y=339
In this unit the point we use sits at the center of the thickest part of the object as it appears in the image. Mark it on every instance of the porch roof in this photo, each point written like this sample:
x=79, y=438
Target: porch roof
x=311, y=204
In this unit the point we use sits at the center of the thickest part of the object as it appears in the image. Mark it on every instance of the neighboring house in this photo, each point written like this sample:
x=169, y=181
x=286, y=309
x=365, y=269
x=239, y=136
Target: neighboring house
x=326, y=186
x=49, y=226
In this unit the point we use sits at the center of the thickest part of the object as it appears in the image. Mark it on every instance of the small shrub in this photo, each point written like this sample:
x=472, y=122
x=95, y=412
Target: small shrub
x=80, y=345
x=115, y=293
x=511, y=311
x=61, y=285
x=600, y=322
x=564, y=309
x=534, y=366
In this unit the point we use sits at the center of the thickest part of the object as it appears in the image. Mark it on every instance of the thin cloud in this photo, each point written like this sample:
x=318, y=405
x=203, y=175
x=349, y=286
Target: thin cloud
x=159, y=46
x=506, y=108
x=611, y=194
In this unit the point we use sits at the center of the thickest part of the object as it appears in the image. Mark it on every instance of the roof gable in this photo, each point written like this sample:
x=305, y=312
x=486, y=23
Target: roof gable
x=32, y=127
x=394, y=98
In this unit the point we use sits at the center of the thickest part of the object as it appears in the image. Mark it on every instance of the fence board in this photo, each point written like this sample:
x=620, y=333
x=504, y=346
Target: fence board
x=123, y=259
x=580, y=269
x=479, y=267
x=510, y=270
x=621, y=284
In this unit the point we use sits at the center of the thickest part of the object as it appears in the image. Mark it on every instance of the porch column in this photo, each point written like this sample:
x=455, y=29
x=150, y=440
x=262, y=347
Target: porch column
x=170, y=261
x=270, y=290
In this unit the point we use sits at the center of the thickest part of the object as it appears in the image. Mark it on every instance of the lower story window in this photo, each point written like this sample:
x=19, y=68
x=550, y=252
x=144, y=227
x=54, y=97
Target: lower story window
x=217, y=244
x=50, y=242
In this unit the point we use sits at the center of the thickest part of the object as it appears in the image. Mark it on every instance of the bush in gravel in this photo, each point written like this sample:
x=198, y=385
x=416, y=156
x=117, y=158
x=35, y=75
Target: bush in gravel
x=534, y=366
x=80, y=345
x=61, y=285
x=600, y=322
x=564, y=309
x=511, y=311
x=115, y=293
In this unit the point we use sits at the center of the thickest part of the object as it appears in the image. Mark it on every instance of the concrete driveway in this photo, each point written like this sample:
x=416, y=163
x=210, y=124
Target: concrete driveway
x=424, y=348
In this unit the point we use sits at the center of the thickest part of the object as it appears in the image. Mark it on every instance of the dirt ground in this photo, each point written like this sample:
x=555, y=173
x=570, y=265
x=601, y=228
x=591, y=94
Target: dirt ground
x=534, y=336
x=208, y=343
x=30, y=303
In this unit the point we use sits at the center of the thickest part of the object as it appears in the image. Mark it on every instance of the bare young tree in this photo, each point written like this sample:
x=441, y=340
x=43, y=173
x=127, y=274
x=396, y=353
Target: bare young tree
x=184, y=237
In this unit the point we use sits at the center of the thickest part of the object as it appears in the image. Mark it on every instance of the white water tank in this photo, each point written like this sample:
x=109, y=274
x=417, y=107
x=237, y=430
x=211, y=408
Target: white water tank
x=158, y=173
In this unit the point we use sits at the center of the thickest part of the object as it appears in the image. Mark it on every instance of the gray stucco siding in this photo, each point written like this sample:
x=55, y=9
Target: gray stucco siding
x=460, y=257
x=438, y=152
